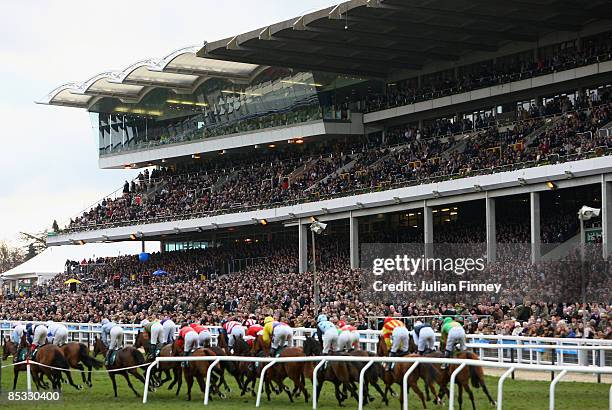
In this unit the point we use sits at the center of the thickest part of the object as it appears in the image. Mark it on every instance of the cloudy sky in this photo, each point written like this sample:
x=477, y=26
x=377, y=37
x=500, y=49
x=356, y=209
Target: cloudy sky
x=48, y=167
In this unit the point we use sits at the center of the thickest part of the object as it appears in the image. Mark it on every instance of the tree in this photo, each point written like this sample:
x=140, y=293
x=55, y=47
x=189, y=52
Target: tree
x=55, y=226
x=34, y=243
x=9, y=257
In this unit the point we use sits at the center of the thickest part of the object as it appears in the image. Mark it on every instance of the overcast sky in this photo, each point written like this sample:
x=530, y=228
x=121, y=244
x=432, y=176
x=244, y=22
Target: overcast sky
x=48, y=167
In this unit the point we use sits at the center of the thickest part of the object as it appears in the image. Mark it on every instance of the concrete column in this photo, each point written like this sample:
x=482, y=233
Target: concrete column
x=354, y=241
x=606, y=216
x=535, y=226
x=303, y=246
x=428, y=224
x=491, y=230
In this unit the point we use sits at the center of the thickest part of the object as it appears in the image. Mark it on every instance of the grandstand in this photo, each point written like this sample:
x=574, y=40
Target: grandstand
x=448, y=114
x=464, y=126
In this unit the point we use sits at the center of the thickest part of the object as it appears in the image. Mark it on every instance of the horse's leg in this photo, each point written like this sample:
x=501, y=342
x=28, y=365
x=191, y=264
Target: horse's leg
x=71, y=382
x=178, y=375
x=486, y=391
x=80, y=367
x=189, y=380
x=468, y=390
x=129, y=382
x=415, y=386
x=267, y=386
x=15, y=377
x=460, y=395
x=201, y=383
x=112, y=377
x=382, y=393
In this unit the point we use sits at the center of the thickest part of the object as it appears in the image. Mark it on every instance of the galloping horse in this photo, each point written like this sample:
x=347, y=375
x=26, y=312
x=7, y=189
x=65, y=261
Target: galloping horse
x=278, y=373
x=198, y=370
x=336, y=372
x=77, y=355
x=11, y=349
x=128, y=357
x=50, y=360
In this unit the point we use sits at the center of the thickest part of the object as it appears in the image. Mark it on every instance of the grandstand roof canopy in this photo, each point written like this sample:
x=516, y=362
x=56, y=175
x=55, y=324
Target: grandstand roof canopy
x=370, y=38
x=376, y=37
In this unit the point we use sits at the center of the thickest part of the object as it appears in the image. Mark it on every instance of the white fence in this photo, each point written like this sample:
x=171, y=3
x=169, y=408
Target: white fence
x=498, y=348
x=510, y=368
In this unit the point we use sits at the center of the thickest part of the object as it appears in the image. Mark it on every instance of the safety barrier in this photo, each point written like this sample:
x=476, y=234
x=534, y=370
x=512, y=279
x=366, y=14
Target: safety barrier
x=415, y=361
x=503, y=348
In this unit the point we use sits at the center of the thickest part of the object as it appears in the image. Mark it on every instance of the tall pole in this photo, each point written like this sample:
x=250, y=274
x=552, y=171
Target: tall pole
x=314, y=274
x=584, y=353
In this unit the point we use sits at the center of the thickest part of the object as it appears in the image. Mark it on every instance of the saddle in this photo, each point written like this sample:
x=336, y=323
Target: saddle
x=33, y=353
x=21, y=355
x=279, y=351
x=110, y=358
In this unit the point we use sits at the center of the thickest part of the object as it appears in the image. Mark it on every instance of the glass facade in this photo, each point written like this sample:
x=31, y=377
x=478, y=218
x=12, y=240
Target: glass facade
x=218, y=107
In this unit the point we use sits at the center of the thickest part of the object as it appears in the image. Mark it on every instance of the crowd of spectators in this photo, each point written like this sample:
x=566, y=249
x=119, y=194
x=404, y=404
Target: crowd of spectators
x=489, y=73
x=529, y=304
x=268, y=181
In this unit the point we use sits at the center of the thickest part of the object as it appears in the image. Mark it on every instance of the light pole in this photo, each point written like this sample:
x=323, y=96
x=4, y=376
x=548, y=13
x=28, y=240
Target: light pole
x=584, y=214
x=316, y=227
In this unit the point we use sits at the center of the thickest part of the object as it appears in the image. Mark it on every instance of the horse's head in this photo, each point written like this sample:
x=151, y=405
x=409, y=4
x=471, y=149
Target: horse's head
x=23, y=341
x=99, y=347
x=142, y=340
x=311, y=347
x=222, y=340
x=259, y=345
x=381, y=347
x=241, y=347
x=9, y=348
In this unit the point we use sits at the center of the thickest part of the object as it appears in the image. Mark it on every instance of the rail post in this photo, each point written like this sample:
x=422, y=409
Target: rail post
x=362, y=382
x=145, y=393
x=262, y=379
x=405, y=383
x=500, y=387
x=315, y=373
x=208, y=374
x=551, y=405
x=28, y=373
x=451, y=393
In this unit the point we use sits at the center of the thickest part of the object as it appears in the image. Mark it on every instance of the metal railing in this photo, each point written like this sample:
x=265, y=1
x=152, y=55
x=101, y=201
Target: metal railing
x=415, y=361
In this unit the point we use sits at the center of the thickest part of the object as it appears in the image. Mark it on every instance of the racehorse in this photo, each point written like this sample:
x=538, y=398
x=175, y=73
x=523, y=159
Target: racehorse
x=198, y=370
x=11, y=349
x=396, y=374
x=336, y=372
x=77, y=355
x=51, y=363
x=128, y=357
x=470, y=373
x=278, y=373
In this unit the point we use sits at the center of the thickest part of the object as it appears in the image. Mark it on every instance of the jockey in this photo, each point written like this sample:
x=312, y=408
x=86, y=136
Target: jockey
x=188, y=338
x=452, y=334
x=233, y=329
x=58, y=333
x=40, y=336
x=424, y=337
x=112, y=337
x=348, y=338
x=30, y=332
x=396, y=336
x=18, y=331
x=169, y=328
x=252, y=332
x=327, y=334
x=204, y=335
x=155, y=330
x=277, y=334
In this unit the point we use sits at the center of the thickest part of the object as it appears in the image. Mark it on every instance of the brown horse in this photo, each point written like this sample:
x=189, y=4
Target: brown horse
x=77, y=355
x=395, y=374
x=473, y=374
x=336, y=372
x=278, y=373
x=129, y=356
x=11, y=349
x=51, y=363
x=198, y=370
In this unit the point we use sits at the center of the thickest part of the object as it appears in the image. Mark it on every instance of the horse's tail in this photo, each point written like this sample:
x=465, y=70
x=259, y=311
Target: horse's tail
x=88, y=360
x=138, y=357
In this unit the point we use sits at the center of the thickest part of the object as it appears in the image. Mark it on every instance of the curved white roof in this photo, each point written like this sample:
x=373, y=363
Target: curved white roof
x=180, y=70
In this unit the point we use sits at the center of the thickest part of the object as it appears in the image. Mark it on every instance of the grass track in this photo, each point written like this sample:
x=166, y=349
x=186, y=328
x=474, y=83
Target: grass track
x=518, y=395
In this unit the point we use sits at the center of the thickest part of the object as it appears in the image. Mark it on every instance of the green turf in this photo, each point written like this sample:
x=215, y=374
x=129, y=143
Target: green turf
x=518, y=395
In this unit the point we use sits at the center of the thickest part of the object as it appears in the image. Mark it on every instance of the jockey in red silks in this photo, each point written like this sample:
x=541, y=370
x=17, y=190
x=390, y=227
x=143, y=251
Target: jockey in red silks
x=203, y=332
